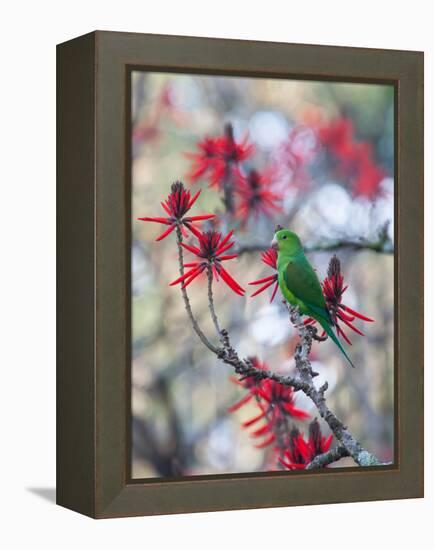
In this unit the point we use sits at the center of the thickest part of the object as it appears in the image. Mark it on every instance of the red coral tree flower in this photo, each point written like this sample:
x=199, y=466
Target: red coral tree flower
x=368, y=174
x=230, y=154
x=204, y=159
x=338, y=137
x=269, y=258
x=219, y=157
x=333, y=289
x=250, y=383
x=256, y=197
x=176, y=206
x=355, y=158
x=300, y=452
x=210, y=252
x=276, y=404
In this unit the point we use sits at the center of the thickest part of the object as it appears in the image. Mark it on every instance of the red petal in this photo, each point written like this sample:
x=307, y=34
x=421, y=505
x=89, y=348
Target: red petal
x=228, y=257
x=326, y=444
x=309, y=321
x=356, y=314
x=183, y=277
x=218, y=171
x=274, y=292
x=343, y=315
x=194, y=199
x=232, y=283
x=270, y=257
x=261, y=289
x=266, y=442
x=193, y=276
x=253, y=420
x=222, y=249
x=352, y=327
x=193, y=229
x=228, y=236
x=344, y=336
x=261, y=431
x=303, y=448
x=293, y=411
x=240, y=403
x=286, y=464
x=200, y=217
x=165, y=233
x=191, y=248
x=264, y=280
x=263, y=394
x=156, y=220
x=166, y=208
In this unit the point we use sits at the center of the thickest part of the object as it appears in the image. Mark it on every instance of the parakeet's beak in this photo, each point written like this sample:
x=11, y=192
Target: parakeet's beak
x=274, y=243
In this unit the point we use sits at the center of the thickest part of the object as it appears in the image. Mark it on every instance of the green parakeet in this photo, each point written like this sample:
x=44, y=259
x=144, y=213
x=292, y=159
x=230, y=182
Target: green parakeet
x=299, y=283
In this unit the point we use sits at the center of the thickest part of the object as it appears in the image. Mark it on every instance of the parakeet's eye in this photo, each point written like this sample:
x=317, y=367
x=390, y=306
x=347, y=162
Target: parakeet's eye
x=284, y=237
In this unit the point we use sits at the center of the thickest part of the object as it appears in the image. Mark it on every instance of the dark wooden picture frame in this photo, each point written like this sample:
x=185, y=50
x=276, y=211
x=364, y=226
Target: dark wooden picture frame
x=93, y=372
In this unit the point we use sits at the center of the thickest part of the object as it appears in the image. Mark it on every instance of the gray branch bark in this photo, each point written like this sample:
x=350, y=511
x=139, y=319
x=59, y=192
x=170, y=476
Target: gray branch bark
x=323, y=460
x=303, y=365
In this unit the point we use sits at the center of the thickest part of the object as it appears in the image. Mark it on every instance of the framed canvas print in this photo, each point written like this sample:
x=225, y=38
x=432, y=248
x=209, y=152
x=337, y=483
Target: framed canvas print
x=240, y=263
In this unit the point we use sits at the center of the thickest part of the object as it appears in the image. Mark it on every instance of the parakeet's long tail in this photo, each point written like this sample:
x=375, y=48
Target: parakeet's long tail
x=330, y=332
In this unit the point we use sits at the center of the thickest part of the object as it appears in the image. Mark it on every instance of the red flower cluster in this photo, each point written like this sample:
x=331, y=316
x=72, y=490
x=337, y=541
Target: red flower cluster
x=355, y=158
x=210, y=252
x=300, y=452
x=218, y=158
x=176, y=206
x=256, y=197
x=270, y=258
x=275, y=403
x=204, y=160
x=333, y=289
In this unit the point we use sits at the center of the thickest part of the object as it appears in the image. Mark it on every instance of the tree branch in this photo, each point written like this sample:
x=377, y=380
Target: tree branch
x=382, y=246
x=303, y=382
x=340, y=431
x=323, y=460
x=211, y=305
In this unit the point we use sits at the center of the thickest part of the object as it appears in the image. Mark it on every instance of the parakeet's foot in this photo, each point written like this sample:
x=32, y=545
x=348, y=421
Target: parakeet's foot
x=313, y=331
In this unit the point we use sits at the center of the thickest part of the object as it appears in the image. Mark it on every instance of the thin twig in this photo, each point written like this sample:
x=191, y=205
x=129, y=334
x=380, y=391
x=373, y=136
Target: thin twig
x=211, y=305
x=186, y=299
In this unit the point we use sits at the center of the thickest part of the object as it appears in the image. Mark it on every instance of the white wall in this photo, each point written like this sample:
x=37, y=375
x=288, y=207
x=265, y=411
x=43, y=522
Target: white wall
x=29, y=33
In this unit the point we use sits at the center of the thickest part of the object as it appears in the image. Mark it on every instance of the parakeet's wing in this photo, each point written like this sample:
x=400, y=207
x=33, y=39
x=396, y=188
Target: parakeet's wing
x=303, y=282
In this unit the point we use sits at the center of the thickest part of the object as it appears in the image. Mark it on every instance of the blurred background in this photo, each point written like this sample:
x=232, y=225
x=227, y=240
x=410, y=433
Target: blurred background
x=325, y=153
